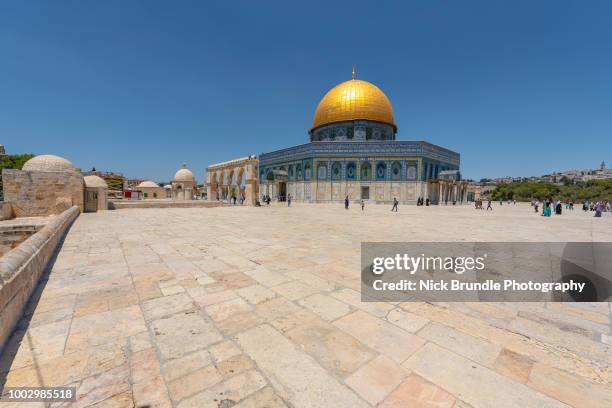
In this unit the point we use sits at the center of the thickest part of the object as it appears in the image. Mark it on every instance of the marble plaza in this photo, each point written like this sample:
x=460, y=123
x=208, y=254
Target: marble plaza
x=256, y=307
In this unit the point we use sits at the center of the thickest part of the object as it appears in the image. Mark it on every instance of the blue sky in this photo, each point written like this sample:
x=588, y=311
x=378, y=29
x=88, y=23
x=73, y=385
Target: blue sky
x=139, y=87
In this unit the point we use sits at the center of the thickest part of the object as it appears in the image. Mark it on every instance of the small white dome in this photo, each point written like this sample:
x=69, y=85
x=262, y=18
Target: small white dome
x=184, y=174
x=148, y=183
x=48, y=162
x=168, y=187
x=95, y=181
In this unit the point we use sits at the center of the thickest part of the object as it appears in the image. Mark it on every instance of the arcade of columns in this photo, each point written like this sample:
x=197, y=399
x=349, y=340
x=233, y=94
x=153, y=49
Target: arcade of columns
x=442, y=191
x=234, y=178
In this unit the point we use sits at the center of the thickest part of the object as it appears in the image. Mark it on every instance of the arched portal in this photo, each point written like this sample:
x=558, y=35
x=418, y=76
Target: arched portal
x=235, y=178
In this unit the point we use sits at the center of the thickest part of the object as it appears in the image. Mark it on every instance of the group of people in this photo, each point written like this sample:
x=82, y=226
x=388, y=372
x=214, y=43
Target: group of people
x=266, y=199
x=233, y=199
x=501, y=202
x=420, y=201
x=478, y=204
x=548, y=205
x=598, y=207
x=394, y=208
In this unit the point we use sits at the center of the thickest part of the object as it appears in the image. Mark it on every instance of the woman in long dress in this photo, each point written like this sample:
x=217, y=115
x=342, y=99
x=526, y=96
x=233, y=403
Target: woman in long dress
x=547, y=210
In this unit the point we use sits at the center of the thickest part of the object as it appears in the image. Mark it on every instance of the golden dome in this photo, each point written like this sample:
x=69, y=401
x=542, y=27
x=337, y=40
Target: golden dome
x=354, y=100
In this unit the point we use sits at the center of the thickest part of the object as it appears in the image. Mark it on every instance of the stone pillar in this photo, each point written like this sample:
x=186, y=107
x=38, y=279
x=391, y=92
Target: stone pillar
x=250, y=185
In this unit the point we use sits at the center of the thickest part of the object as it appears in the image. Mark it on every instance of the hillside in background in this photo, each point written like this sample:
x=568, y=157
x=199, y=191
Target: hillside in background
x=594, y=190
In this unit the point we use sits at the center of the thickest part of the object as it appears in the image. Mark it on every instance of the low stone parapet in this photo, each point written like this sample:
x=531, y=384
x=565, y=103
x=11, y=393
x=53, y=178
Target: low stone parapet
x=117, y=205
x=21, y=268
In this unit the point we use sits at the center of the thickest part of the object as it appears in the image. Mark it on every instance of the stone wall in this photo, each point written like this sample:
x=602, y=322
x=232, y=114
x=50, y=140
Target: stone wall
x=153, y=193
x=35, y=193
x=11, y=237
x=322, y=191
x=6, y=211
x=21, y=268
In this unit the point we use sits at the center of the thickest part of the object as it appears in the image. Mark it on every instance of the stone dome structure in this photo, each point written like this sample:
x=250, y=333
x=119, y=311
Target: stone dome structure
x=148, y=183
x=184, y=174
x=95, y=181
x=354, y=100
x=48, y=162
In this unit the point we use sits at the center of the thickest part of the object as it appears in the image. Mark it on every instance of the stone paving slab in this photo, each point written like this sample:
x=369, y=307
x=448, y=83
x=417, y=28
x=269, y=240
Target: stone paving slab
x=260, y=307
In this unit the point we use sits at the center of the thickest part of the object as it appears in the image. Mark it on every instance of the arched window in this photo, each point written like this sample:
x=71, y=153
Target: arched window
x=411, y=173
x=436, y=172
x=307, y=171
x=381, y=170
x=336, y=171
x=290, y=173
x=396, y=171
x=351, y=171
x=366, y=171
x=322, y=171
x=298, y=171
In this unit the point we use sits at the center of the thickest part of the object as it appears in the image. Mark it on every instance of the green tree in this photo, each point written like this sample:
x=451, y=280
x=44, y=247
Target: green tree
x=526, y=191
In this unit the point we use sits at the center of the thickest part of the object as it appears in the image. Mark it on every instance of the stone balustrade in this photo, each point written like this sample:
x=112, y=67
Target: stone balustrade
x=21, y=268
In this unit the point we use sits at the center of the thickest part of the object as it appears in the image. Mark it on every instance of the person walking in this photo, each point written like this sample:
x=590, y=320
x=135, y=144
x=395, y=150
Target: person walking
x=395, y=203
x=289, y=200
x=546, y=212
x=489, y=206
x=362, y=205
x=346, y=203
x=599, y=209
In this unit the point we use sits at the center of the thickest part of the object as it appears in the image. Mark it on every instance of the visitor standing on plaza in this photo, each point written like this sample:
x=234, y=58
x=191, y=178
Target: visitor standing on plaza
x=289, y=200
x=362, y=205
x=489, y=207
x=599, y=208
x=346, y=203
x=395, y=203
x=547, y=211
